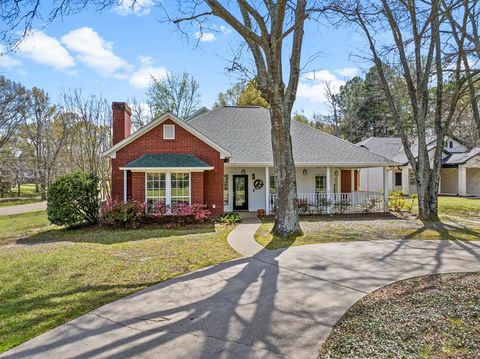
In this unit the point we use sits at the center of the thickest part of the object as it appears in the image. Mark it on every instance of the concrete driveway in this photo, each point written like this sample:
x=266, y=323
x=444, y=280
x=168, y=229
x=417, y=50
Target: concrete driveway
x=275, y=304
x=23, y=208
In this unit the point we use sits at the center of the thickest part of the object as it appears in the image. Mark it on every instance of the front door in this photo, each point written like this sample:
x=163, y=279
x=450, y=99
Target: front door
x=240, y=192
x=346, y=181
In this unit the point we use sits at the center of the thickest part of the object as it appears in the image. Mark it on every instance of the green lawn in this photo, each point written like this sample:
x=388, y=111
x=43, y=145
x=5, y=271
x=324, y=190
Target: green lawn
x=20, y=225
x=460, y=221
x=27, y=193
x=56, y=275
x=427, y=317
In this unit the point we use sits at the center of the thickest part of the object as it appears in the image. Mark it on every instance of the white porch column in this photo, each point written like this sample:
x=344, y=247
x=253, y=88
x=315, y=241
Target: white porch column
x=352, y=180
x=385, y=189
x=462, y=180
x=267, y=191
x=329, y=187
x=405, y=180
x=168, y=189
x=125, y=189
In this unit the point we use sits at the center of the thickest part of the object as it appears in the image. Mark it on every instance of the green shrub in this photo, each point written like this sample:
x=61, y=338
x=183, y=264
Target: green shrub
x=73, y=199
x=230, y=218
x=396, y=201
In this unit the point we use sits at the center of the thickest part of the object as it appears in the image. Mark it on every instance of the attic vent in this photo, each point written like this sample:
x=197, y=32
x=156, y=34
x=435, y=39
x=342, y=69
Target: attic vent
x=168, y=132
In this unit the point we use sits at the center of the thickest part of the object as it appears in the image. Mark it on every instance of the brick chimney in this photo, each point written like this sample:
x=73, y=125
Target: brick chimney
x=121, y=123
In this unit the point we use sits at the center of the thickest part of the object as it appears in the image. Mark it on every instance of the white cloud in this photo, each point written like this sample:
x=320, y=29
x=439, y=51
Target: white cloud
x=6, y=60
x=319, y=75
x=134, y=7
x=312, y=85
x=142, y=77
x=205, y=36
x=46, y=50
x=225, y=29
x=348, y=71
x=94, y=51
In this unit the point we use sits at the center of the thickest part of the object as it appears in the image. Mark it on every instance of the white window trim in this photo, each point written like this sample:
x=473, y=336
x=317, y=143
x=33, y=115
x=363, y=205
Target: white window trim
x=228, y=189
x=168, y=187
x=169, y=126
x=315, y=182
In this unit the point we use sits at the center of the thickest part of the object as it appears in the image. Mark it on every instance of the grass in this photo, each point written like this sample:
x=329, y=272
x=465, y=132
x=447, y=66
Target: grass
x=20, y=225
x=459, y=221
x=434, y=316
x=27, y=195
x=57, y=275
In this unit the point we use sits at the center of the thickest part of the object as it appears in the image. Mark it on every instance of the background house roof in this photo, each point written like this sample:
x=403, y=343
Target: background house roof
x=392, y=148
x=168, y=160
x=245, y=133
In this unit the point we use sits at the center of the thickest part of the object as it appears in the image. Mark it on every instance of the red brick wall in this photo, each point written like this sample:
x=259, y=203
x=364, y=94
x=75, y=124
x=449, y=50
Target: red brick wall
x=121, y=121
x=207, y=187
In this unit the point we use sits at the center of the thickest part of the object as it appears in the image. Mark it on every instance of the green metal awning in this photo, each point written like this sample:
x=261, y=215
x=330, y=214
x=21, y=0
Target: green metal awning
x=168, y=161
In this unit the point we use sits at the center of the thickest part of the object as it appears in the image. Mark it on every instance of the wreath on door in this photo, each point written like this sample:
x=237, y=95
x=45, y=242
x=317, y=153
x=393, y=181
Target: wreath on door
x=258, y=184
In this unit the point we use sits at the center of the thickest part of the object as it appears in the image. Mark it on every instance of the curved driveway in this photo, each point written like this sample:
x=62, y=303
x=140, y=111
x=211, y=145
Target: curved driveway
x=273, y=304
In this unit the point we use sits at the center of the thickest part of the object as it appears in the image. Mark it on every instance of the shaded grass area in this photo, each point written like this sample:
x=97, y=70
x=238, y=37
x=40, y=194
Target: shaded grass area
x=57, y=275
x=20, y=225
x=324, y=229
x=434, y=316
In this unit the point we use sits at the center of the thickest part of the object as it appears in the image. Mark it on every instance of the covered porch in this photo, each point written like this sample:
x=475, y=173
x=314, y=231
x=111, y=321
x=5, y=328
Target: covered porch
x=321, y=189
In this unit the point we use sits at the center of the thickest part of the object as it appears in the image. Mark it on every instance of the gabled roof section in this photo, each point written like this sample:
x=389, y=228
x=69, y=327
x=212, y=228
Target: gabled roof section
x=246, y=133
x=111, y=152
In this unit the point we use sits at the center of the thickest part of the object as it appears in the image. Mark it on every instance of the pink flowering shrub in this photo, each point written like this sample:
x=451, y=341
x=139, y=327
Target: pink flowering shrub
x=188, y=214
x=133, y=213
x=118, y=214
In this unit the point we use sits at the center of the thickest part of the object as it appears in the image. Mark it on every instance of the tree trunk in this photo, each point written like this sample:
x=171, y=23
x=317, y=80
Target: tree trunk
x=286, y=215
x=428, y=196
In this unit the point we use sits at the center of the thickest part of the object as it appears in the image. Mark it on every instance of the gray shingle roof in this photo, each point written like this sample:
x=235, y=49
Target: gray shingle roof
x=170, y=160
x=461, y=158
x=245, y=133
x=392, y=148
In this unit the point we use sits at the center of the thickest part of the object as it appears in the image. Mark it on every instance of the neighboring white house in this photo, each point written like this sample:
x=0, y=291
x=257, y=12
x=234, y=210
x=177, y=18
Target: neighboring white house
x=459, y=175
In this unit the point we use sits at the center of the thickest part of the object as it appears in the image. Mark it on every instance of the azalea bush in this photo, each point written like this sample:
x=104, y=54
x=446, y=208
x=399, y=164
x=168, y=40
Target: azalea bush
x=119, y=214
x=179, y=214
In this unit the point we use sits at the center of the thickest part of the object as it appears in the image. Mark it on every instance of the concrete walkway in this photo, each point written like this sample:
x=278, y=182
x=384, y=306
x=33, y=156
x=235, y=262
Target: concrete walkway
x=23, y=208
x=274, y=304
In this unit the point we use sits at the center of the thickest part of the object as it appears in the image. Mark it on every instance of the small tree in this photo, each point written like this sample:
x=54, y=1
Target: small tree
x=178, y=94
x=73, y=199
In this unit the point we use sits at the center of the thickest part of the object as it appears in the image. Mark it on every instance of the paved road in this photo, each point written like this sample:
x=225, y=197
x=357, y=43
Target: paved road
x=23, y=208
x=275, y=304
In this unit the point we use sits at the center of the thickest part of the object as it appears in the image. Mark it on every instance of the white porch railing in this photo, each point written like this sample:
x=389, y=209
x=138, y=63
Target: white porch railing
x=336, y=203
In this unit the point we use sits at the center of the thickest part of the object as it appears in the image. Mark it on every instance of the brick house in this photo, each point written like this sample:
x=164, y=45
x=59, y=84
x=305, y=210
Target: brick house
x=223, y=159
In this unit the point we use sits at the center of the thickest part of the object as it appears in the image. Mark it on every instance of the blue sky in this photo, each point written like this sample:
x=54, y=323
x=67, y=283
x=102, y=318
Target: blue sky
x=113, y=53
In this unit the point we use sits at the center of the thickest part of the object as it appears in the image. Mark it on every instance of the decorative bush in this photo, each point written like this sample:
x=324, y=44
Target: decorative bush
x=396, y=201
x=188, y=214
x=119, y=214
x=73, y=199
x=229, y=218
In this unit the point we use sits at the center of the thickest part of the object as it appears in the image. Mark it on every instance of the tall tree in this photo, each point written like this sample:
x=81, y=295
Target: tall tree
x=176, y=93
x=333, y=103
x=242, y=95
x=89, y=135
x=419, y=41
x=231, y=96
x=270, y=30
x=45, y=132
x=14, y=99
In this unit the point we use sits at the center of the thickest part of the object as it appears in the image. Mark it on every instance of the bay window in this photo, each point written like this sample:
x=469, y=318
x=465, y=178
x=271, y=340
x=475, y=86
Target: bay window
x=180, y=188
x=167, y=188
x=156, y=189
